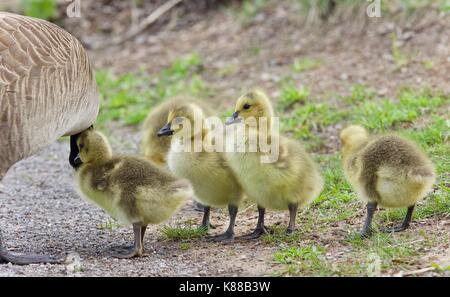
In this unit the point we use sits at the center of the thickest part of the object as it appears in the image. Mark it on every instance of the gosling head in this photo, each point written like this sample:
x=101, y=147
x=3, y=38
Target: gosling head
x=351, y=137
x=181, y=118
x=93, y=147
x=252, y=105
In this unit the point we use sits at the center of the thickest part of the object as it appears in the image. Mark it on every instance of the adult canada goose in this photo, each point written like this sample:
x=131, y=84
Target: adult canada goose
x=287, y=183
x=47, y=90
x=385, y=170
x=213, y=182
x=131, y=189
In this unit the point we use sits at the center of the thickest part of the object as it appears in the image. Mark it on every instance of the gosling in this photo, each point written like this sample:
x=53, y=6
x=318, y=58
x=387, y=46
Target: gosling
x=287, y=183
x=213, y=182
x=385, y=170
x=131, y=189
x=155, y=148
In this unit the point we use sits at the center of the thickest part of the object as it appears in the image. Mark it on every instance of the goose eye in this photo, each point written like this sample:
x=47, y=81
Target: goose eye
x=246, y=106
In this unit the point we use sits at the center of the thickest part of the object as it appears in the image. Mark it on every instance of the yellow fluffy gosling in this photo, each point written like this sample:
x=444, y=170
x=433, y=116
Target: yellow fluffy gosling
x=155, y=148
x=213, y=182
x=385, y=170
x=291, y=181
x=130, y=189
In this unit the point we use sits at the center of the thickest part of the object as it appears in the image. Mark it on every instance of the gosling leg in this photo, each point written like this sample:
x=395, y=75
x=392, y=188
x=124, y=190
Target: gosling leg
x=260, y=228
x=7, y=257
x=138, y=249
x=124, y=248
x=229, y=234
x=206, y=224
x=292, y=216
x=199, y=207
x=143, y=229
x=405, y=223
x=367, y=229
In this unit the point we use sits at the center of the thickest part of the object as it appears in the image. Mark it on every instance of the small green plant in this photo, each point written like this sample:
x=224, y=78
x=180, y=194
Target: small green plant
x=400, y=58
x=291, y=95
x=249, y=9
x=109, y=225
x=255, y=51
x=43, y=9
x=278, y=235
x=183, y=232
x=301, y=65
x=428, y=64
x=185, y=246
x=440, y=268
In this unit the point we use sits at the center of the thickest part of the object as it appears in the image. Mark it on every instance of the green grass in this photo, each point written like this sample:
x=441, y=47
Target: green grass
x=444, y=6
x=359, y=93
x=303, y=260
x=384, y=114
x=43, y=9
x=307, y=116
x=278, y=235
x=183, y=232
x=129, y=97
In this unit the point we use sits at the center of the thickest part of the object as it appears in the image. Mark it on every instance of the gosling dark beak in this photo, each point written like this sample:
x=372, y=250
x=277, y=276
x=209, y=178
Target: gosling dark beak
x=74, y=152
x=165, y=131
x=233, y=119
x=77, y=161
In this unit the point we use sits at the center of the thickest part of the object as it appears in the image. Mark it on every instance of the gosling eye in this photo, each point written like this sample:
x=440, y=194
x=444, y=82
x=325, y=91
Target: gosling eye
x=81, y=146
x=246, y=106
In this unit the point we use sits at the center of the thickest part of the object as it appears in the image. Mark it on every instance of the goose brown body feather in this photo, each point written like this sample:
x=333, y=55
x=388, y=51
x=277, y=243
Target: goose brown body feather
x=47, y=87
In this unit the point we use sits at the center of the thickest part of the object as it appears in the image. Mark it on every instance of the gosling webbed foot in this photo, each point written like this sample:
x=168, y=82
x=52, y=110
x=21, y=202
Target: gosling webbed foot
x=225, y=237
x=394, y=229
x=404, y=225
x=366, y=233
x=137, y=250
x=290, y=231
x=121, y=248
x=206, y=226
x=128, y=254
x=29, y=259
x=257, y=233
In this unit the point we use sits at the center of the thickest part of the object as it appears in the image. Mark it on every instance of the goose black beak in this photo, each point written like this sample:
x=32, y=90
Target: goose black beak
x=233, y=119
x=165, y=131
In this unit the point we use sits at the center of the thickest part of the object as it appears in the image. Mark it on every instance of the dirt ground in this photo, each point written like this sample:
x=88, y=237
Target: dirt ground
x=41, y=212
